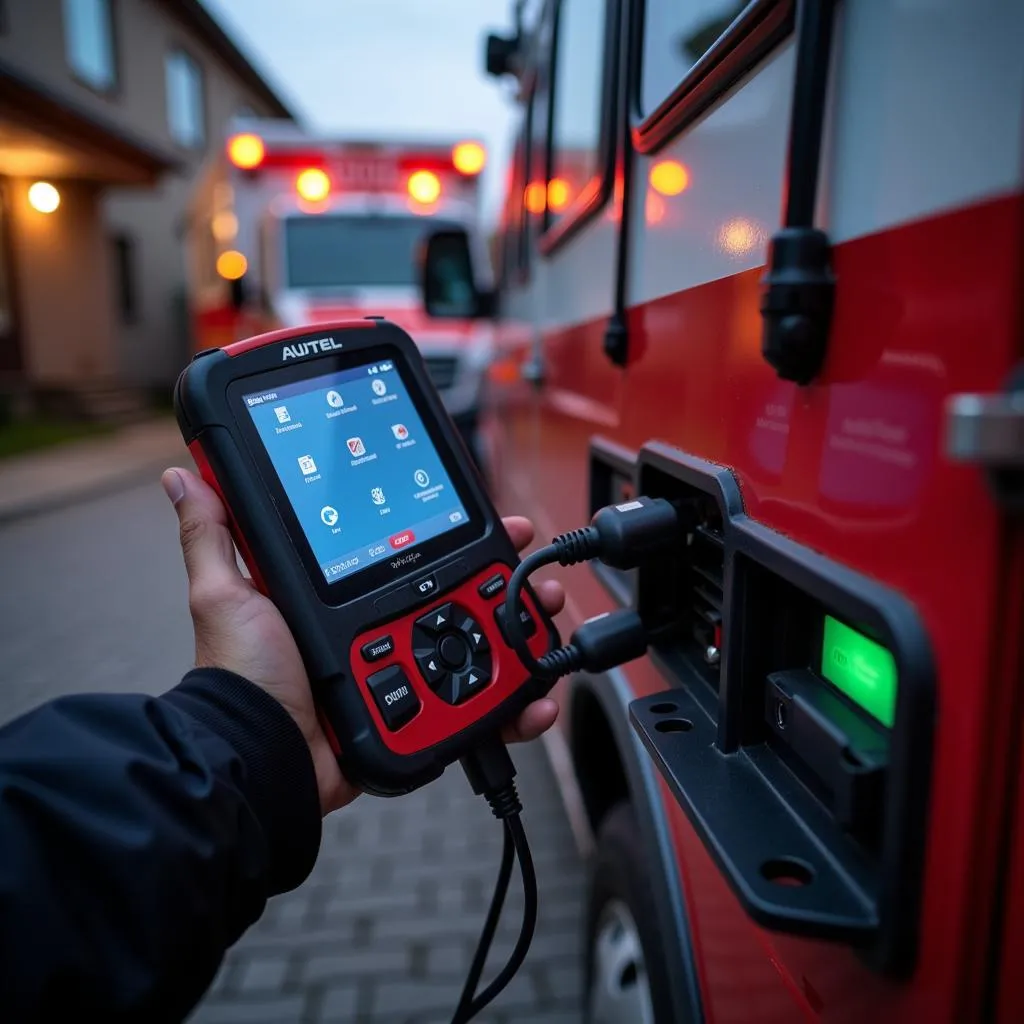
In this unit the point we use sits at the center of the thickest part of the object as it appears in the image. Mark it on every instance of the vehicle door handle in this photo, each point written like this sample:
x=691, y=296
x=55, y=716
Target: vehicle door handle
x=987, y=430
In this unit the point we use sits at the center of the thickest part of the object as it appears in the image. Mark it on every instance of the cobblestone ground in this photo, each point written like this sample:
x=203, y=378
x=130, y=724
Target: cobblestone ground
x=384, y=928
x=92, y=597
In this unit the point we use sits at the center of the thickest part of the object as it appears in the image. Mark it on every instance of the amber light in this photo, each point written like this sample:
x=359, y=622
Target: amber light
x=232, y=265
x=558, y=194
x=313, y=185
x=424, y=186
x=43, y=197
x=533, y=197
x=469, y=157
x=669, y=177
x=246, y=151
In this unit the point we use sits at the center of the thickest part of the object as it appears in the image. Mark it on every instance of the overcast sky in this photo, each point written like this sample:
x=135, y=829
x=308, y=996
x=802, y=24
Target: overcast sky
x=381, y=67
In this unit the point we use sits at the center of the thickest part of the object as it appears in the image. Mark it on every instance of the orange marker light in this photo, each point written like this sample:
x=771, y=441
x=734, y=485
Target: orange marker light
x=232, y=265
x=246, y=151
x=669, y=177
x=469, y=157
x=558, y=194
x=313, y=185
x=533, y=197
x=424, y=186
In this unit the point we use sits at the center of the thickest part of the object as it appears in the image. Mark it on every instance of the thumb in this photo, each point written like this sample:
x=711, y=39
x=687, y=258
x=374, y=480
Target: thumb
x=205, y=539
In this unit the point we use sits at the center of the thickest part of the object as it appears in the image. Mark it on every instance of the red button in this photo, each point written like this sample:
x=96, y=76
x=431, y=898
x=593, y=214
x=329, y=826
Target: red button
x=401, y=540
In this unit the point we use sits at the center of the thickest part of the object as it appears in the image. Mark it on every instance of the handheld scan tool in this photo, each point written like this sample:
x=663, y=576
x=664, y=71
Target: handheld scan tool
x=360, y=513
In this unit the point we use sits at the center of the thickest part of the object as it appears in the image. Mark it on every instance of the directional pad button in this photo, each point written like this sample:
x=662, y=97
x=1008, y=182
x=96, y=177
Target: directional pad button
x=470, y=681
x=429, y=662
x=437, y=620
x=452, y=652
x=474, y=635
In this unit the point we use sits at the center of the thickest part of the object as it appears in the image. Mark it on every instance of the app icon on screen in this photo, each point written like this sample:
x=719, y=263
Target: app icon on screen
x=306, y=464
x=400, y=431
x=377, y=494
x=379, y=387
x=282, y=414
x=329, y=515
x=334, y=400
x=356, y=446
x=421, y=478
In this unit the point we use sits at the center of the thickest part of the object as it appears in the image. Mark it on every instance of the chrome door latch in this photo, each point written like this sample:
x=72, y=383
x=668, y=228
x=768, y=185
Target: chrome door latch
x=988, y=431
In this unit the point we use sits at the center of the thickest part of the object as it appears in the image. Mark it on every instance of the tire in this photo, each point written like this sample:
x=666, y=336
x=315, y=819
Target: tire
x=620, y=917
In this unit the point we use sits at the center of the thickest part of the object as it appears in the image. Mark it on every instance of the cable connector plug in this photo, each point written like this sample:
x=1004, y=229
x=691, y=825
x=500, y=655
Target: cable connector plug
x=622, y=536
x=635, y=531
x=491, y=774
x=599, y=644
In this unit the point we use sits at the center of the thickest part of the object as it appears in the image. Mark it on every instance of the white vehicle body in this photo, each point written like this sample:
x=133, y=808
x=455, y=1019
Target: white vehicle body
x=261, y=256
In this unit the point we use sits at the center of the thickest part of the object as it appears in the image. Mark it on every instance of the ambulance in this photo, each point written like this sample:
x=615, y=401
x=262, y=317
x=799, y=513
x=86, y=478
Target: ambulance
x=764, y=259
x=286, y=227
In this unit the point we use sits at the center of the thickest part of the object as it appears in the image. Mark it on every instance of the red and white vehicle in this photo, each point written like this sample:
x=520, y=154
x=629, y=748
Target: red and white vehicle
x=290, y=228
x=766, y=259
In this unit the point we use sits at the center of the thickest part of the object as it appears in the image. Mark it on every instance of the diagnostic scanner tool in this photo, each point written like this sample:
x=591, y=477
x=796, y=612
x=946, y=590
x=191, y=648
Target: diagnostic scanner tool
x=360, y=513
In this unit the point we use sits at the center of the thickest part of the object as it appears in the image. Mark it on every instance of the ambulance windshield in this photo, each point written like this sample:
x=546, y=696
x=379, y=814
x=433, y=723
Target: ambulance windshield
x=355, y=251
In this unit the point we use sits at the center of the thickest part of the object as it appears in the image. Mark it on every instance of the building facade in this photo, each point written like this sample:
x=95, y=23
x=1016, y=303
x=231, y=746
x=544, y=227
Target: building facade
x=107, y=111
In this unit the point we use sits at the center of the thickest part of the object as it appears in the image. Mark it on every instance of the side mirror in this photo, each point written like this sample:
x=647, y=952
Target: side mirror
x=447, y=281
x=500, y=53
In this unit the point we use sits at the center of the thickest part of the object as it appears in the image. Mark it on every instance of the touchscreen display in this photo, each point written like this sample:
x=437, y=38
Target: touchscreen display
x=362, y=475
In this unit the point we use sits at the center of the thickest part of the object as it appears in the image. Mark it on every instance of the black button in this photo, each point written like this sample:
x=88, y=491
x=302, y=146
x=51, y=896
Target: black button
x=424, y=588
x=377, y=649
x=407, y=595
x=437, y=620
x=394, y=695
x=529, y=626
x=470, y=681
x=475, y=636
x=452, y=649
x=492, y=587
x=429, y=662
x=447, y=689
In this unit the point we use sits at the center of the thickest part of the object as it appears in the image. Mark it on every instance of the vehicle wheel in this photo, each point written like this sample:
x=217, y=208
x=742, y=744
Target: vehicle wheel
x=626, y=976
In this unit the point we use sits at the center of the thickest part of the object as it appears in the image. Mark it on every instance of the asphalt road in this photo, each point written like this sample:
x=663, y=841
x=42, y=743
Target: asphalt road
x=93, y=597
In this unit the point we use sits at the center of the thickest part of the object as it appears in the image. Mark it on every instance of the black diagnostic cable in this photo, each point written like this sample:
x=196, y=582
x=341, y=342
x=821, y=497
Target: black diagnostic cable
x=622, y=537
x=491, y=774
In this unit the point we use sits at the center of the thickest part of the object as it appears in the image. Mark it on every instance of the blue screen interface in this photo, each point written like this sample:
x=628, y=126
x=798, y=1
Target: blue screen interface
x=362, y=475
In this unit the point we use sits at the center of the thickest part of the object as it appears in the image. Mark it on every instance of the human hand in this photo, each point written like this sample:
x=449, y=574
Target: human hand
x=238, y=629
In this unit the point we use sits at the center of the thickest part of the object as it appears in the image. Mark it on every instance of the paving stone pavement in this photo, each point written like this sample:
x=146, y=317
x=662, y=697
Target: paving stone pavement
x=384, y=928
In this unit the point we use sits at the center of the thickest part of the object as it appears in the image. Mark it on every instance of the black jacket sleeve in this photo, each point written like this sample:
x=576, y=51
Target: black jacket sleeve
x=139, y=837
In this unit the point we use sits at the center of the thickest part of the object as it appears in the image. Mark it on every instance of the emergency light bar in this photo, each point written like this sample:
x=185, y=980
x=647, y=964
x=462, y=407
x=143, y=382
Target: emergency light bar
x=368, y=167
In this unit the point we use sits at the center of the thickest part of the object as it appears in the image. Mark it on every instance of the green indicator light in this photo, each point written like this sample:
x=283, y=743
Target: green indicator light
x=863, y=670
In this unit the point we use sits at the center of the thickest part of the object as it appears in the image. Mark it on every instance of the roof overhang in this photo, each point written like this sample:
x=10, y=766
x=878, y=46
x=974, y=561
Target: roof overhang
x=46, y=135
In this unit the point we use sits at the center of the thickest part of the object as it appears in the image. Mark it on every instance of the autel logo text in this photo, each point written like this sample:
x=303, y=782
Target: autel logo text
x=309, y=348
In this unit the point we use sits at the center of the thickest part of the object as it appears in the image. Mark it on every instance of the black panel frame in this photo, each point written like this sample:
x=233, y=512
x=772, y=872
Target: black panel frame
x=749, y=808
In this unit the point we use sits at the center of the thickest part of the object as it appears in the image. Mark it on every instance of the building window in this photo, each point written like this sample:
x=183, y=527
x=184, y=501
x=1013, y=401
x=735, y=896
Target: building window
x=578, y=113
x=185, y=105
x=126, y=292
x=89, y=42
